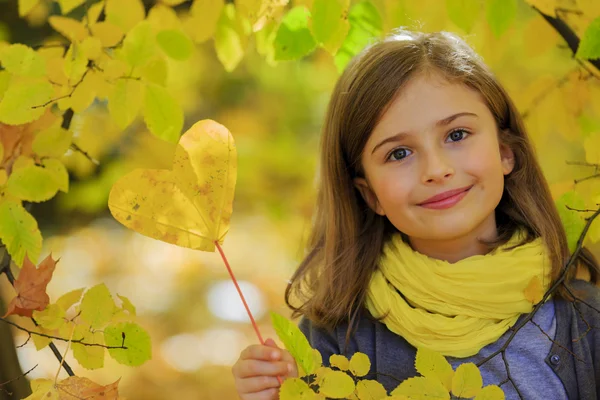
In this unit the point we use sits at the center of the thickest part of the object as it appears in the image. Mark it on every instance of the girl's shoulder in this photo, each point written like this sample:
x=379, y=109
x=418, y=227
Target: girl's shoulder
x=585, y=310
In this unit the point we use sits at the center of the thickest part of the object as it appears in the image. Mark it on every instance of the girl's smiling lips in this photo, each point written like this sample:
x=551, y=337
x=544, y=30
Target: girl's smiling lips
x=446, y=199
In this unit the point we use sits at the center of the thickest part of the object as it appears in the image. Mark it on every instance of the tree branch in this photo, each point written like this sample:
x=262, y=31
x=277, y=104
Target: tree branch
x=5, y=267
x=14, y=379
x=567, y=34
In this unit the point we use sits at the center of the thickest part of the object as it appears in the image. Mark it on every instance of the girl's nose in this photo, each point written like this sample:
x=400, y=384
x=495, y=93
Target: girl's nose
x=437, y=168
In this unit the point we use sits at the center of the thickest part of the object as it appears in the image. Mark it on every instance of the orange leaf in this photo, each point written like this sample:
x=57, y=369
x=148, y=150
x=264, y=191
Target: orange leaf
x=76, y=388
x=31, y=287
x=534, y=292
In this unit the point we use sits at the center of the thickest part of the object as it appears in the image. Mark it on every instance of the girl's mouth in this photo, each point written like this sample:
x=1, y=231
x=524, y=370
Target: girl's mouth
x=446, y=199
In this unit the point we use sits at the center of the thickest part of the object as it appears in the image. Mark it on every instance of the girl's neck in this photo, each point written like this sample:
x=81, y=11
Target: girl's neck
x=460, y=247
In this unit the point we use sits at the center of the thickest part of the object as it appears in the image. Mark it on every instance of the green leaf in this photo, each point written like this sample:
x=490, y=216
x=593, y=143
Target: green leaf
x=463, y=13
x=32, y=183
x=228, y=40
x=500, y=14
x=162, y=114
x=359, y=364
x=52, y=317
x=16, y=107
x=295, y=342
x=589, y=47
x=336, y=384
x=59, y=172
x=175, y=44
x=433, y=365
x=132, y=336
x=19, y=232
x=22, y=60
x=52, y=142
x=97, y=306
x=155, y=71
x=293, y=39
x=127, y=305
x=125, y=101
x=90, y=357
x=422, y=388
x=139, y=46
x=68, y=299
x=572, y=220
x=365, y=26
x=467, y=381
x=329, y=23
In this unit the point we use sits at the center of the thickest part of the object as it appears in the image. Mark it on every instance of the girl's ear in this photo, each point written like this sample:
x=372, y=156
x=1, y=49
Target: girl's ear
x=507, y=158
x=368, y=195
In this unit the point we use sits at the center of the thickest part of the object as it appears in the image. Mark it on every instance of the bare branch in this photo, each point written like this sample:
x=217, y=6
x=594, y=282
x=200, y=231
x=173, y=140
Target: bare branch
x=14, y=379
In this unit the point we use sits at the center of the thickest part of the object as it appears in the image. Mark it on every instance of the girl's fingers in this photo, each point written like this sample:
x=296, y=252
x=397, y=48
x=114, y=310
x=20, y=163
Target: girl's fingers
x=250, y=368
x=271, y=394
x=285, y=356
x=257, y=384
x=260, y=352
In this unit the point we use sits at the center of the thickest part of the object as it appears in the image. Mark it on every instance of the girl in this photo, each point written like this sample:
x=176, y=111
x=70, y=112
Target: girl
x=433, y=217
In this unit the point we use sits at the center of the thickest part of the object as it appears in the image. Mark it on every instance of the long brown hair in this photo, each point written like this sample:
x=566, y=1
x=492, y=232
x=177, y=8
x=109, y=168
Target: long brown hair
x=347, y=237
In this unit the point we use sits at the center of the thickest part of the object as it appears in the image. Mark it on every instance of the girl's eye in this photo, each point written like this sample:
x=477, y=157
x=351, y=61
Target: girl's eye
x=458, y=135
x=398, y=154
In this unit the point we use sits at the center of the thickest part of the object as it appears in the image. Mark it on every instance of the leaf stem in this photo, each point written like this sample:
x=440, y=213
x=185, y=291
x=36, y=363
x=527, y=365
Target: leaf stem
x=254, y=325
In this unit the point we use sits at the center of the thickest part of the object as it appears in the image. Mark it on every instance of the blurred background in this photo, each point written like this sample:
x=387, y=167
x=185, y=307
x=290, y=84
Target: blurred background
x=184, y=298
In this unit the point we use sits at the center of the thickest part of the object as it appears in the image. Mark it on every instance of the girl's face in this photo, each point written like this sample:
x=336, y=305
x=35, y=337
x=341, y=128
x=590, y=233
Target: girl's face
x=433, y=164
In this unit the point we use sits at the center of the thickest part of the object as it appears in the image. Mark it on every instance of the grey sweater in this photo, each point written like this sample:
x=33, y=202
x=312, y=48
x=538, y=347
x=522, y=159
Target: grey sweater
x=567, y=322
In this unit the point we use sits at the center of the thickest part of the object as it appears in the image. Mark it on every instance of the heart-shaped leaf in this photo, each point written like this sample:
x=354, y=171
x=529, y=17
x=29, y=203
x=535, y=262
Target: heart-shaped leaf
x=191, y=204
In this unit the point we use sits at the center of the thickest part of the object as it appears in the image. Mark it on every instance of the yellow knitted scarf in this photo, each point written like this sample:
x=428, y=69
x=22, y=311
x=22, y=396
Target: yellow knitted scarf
x=455, y=309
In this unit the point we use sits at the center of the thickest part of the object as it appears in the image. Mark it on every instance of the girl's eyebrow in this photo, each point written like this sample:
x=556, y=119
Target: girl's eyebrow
x=441, y=122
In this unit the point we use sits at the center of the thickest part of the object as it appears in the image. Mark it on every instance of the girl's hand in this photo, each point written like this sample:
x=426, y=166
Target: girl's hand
x=256, y=371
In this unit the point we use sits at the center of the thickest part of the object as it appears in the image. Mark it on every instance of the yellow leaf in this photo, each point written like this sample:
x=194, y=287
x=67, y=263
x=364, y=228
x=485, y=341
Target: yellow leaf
x=139, y=45
x=68, y=299
x=115, y=69
x=421, y=388
x=91, y=47
x=295, y=389
x=202, y=20
x=3, y=177
x=339, y=361
x=336, y=384
x=22, y=60
x=76, y=387
x=433, y=365
x=367, y=389
x=125, y=101
x=68, y=27
x=163, y=17
x=85, y=92
x=25, y=101
x=191, y=205
x=490, y=392
x=125, y=13
x=155, y=71
x=32, y=183
x=94, y=12
x=467, y=381
x=66, y=6
x=229, y=39
x=25, y=6
x=592, y=148
x=59, y=173
x=90, y=357
x=108, y=33
x=52, y=142
x=41, y=341
x=360, y=364
x=52, y=317
x=43, y=389
x=75, y=63
x=534, y=291
x=19, y=232
x=173, y=2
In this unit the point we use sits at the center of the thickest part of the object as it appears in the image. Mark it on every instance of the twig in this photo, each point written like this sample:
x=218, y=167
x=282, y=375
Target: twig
x=75, y=147
x=14, y=379
x=509, y=377
x=567, y=34
x=586, y=178
x=79, y=341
